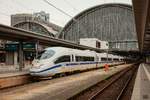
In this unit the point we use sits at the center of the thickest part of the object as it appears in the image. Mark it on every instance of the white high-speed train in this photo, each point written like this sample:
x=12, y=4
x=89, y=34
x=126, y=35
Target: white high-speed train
x=56, y=60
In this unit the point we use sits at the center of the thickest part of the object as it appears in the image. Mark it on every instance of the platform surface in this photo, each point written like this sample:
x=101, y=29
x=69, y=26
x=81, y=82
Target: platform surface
x=15, y=78
x=59, y=88
x=12, y=74
x=141, y=89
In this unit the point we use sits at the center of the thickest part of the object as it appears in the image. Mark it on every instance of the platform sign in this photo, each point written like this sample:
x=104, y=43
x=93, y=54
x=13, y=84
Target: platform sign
x=11, y=47
x=29, y=46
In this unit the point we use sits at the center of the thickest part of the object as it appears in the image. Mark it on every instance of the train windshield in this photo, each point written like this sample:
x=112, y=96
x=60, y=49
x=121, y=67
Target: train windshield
x=46, y=54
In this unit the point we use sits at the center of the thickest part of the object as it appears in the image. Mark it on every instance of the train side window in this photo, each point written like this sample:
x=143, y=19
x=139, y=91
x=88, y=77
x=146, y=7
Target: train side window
x=88, y=58
x=83, y=58
x=115, y=59
x=103, y=59
x=79, y=58
x=61, y=59
x=109, y=59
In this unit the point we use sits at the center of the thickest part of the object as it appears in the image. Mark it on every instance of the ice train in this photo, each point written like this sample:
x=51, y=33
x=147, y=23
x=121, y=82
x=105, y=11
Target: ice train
x=56, y=60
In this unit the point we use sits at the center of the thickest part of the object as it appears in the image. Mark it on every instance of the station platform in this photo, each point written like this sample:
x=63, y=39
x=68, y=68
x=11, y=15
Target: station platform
x=60, y=88
x=141, y=89
x=13, y=73
x=15, y=78
x=12, y=68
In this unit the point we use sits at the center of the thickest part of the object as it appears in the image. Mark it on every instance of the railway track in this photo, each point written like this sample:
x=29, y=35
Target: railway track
x=22, y=79
x=117, y=87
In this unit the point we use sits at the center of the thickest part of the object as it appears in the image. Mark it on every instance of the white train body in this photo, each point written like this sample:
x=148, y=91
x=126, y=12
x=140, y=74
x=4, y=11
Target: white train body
x=56, y=60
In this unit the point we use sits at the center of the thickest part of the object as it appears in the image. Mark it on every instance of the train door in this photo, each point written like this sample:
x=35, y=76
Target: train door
x=96, y=60
x=96, y=57
x=72, y=58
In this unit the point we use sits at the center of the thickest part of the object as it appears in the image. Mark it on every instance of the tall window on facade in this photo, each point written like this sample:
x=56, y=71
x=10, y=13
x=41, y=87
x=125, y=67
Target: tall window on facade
x=98, y=44
x=61, y=59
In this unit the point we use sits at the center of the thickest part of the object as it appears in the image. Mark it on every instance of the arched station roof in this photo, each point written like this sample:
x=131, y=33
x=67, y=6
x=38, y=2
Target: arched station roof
x=35, y=27
x=108, y=22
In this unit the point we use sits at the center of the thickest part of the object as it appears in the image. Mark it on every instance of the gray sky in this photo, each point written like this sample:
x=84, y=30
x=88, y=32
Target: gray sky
x=72, y=7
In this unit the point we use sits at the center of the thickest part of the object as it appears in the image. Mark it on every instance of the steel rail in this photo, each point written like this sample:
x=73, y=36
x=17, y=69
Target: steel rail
x=125, y=86
x=107, y=85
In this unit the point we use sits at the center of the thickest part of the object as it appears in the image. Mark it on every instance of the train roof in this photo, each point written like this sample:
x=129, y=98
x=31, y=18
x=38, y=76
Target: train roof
x=57, y=48
x=81, y=52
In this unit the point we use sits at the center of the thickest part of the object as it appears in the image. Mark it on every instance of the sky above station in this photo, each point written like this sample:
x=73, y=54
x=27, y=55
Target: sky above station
x=71, y=7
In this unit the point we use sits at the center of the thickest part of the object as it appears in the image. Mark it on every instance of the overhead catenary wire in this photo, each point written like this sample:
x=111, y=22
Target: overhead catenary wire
x=59, y=9
x=67, y=2
x=4, y=15
x=73, y=19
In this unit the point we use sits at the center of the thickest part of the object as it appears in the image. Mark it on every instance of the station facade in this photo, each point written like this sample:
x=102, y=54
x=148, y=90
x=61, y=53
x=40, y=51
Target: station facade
x=36, y=22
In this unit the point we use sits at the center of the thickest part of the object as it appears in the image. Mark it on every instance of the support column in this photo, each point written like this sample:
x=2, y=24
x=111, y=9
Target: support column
x=15, y=58
x=21, y=57
x=37, y=48
x=107, y=55
x=147, y=58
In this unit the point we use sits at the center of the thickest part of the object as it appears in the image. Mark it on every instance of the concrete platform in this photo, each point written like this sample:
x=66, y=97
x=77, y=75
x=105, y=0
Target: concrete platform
x=59, y=88
x=14, y=79
x=12, y=74
x=141, y=89
x=12, y=68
